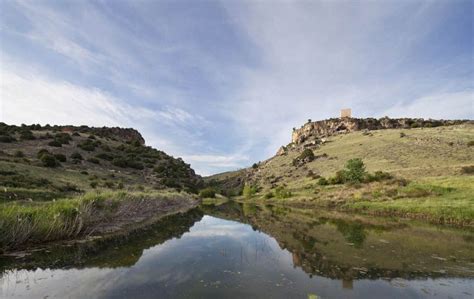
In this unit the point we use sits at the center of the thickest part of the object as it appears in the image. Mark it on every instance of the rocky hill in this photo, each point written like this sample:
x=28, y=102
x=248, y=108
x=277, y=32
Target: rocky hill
x=313, y=132
x=409, y=166
x=48, y=161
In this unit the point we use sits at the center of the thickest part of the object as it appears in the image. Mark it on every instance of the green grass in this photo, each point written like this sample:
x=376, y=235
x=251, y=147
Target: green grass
x=444, y=200
x=34, y=222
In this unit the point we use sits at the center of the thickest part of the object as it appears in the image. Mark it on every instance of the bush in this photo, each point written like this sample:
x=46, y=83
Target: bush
x=339, y=178
x=93, y=184
x=76, y=134
x=19, y=154
x=249, y=191
x=323, y=182
x=6, y=138
x=42, y=152
x=470, y=143
x=355, y=171
x=60, y=157
x=105, y=156
x=120, y=185
x=468, y=169
x=127, y=162
x=76, y=156
x=378, y=176
x=255, y=166
x=49, y=160
x=207, y=193
x=55, y=143
x=281, y=192
x=63, y=138
x=402, y=135
x=269, y=195
x=307, y=154
x=93, y=160
x=26, y=135
x=88, y=145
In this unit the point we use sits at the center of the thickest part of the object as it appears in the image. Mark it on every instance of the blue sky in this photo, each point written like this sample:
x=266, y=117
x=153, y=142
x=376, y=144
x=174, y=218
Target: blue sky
x=222, y=83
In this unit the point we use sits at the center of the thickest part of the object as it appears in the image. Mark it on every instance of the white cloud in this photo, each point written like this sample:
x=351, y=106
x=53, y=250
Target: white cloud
x=459, y=104
x=34, y=99
x=319, y=57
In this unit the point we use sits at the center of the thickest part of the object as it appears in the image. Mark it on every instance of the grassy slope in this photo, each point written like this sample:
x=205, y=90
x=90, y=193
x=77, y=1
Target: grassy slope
x=39, y=203
x=430, y=158
x=159, y=170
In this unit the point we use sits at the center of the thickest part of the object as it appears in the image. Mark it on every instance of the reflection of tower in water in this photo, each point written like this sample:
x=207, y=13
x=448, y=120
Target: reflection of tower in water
x=347, y=284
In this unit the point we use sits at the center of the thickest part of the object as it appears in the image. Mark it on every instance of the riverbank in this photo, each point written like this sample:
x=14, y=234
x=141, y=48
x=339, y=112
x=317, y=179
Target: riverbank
x=438, y=200
x=92, y=215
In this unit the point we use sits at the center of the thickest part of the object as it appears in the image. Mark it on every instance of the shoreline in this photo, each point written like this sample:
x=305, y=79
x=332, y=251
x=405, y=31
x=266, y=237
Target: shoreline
x=111, y=218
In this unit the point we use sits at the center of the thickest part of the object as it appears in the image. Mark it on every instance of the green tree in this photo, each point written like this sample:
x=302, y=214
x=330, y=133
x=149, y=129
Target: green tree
x=355, y=171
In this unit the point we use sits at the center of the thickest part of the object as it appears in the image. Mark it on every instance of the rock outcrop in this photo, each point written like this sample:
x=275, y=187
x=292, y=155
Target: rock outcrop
x=312, y=131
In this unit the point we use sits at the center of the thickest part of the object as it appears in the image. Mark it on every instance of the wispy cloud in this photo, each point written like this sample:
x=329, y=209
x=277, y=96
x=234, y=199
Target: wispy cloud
x=222, y=83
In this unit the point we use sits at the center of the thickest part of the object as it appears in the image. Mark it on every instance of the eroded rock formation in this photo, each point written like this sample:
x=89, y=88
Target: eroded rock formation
x=324, y=128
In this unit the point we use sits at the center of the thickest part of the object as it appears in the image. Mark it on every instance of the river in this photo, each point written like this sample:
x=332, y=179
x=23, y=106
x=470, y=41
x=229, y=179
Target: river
x=237, y=250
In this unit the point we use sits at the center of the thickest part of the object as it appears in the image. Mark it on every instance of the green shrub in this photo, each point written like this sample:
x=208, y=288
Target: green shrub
x=269, y=195
x=120, y=185
x=88, y=145
x=42, y=152
x=307, y=154
x=207, y=193
x=249, y=191
x=76, y=156
x=127, y=162
x=93, y=160
x=355, y=171
x=470, y=143
x=76, y=134
x=49, y=160
x=402, y=135
x=60, y=157
x=323, y=181
x=19, y=154
x=93, y=184
x=255, y=166
x=62, y=138
x=281, y=192
x=26, y=135
x=378, y=176
x=6, y=138
x=339, y=178
x=55, y=143
x=105, y=156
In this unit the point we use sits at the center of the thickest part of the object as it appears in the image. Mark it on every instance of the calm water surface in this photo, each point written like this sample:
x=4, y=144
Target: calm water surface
x=249, y=251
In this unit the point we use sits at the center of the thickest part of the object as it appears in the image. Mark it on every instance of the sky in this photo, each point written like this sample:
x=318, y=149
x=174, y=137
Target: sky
x=222, y=83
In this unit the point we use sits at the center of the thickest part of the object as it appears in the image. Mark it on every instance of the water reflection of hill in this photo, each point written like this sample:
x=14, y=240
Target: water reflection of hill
x=337, y=246
x=120, y=251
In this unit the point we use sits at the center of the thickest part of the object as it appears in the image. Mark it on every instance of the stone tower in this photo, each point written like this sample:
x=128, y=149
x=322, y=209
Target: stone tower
x=346, y=112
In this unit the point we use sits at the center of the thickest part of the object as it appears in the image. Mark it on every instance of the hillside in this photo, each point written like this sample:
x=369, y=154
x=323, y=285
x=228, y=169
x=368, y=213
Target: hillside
x=101, y=177
x=419, y=169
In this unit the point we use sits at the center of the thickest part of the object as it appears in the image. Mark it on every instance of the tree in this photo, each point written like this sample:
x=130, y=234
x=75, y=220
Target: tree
x=355, y=171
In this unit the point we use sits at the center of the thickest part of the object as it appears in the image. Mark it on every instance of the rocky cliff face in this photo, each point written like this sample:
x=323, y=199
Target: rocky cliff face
x=125, y=134
x=319, y=129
